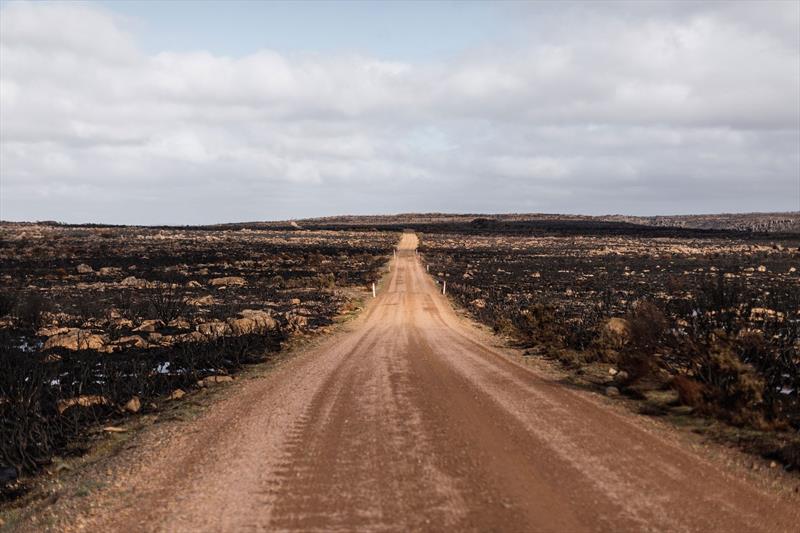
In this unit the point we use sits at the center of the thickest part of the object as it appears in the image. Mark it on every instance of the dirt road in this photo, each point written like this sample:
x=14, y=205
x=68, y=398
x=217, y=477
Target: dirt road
x=410, y=421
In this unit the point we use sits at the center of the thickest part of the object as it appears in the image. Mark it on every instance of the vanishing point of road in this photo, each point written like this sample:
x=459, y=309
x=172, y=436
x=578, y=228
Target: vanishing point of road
x=410, y=420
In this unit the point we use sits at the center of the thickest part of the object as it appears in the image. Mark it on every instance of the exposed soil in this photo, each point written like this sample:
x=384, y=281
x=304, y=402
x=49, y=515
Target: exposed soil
x=412, y=421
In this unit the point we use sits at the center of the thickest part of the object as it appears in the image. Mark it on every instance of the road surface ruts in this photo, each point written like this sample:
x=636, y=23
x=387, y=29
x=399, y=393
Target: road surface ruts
x=410, y=421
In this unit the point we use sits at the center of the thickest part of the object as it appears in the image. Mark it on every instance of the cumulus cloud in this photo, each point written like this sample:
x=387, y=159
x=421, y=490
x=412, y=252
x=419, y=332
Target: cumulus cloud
x=599, y=107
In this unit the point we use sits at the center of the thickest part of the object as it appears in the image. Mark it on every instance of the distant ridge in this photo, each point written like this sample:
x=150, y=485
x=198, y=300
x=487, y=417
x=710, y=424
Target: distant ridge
x=787, y=222
x=779, y=222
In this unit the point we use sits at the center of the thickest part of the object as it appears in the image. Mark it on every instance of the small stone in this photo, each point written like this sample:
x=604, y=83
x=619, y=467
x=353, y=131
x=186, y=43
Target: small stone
x=177, y=394
x=227, y=281
x=621, y=376
x=114, y=429
x=612, y=391
x=61, y=466
x=84, y=269
x=613, y=371
x=295, y=301
x=213, y=380
x=773, y=464
x=133, y=405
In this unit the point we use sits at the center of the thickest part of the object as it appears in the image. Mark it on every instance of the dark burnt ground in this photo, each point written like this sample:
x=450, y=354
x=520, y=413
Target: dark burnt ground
x=100, y=322
x=699, y=322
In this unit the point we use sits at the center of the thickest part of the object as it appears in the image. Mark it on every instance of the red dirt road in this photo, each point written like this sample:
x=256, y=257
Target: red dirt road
x=410, y=421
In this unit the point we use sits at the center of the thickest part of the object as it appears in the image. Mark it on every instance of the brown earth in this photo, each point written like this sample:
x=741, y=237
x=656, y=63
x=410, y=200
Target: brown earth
x=412, y=421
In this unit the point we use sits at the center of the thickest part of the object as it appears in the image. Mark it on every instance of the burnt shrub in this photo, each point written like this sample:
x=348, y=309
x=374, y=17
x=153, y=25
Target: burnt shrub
x=646, y=328
x=690, y=391
x=733, y=389
x=30, y=310
x=27, y=436
x=8, y=301
x=167, y=302
x=91, y=308
x=539, y=324
x=49, y=400
x=130, y=304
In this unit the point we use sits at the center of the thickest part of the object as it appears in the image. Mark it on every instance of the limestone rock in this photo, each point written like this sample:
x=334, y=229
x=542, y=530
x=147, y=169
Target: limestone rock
x=131, y=341
x=177, y=394
x=134, y=282
x=149, y=325
x=133, y=405
x=214, y=329
x=213, y=380
x=88, y=400
x=77, y=339
x=229, y=281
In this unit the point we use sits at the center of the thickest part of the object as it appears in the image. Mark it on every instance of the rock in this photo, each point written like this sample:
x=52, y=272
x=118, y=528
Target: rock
x=228, y=281
x=193, y=336
x=613, y=371
x=76, y=339
x=214, y=329
x=134, y=282
x=213, y=380
x=612, y=391
x=295, y=301
x=201, y=301
x=149, y=325
x=762, y=268
x=131, y=341
x=109, y=271
x=121, y=323
x=133, y=405
x=193, y=284
x=763, y=313
x=252, y=321
x=88, y=400
x=295, y=321
x=792, y=270
x=773, y=464
x=536, y=275
x=49, y=332
x=615, y=332
x=177, y=394
x=179, y=323
x=621, y=377
x=617, y=326
x=84, y=269
x=241, y=326
x=114, y=429
x=478, y=303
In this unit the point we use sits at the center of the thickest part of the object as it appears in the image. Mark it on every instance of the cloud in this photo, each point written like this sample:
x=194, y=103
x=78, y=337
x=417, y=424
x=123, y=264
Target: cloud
x=673, y=106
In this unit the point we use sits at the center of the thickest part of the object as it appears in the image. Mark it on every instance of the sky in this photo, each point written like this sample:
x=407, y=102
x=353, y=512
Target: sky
x=186, y=112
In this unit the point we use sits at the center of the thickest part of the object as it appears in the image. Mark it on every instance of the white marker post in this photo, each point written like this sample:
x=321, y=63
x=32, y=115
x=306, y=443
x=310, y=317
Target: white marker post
x=373, y=290
x=444, y=287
